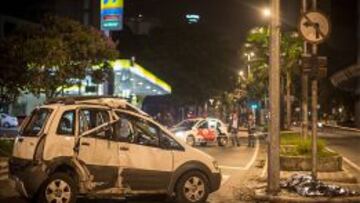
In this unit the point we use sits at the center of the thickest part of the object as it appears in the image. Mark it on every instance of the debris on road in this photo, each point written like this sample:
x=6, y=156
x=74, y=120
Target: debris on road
x=306, y=185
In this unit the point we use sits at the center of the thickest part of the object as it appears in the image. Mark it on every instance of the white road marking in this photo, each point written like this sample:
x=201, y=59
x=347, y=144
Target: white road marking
x=224, y=179
x=251, y=162
x=354, y=165
x=263, y=173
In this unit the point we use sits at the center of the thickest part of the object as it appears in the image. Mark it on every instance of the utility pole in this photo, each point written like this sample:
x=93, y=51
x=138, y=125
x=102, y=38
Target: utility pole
x=314, y=95
x=304, y=89
x=274, y=93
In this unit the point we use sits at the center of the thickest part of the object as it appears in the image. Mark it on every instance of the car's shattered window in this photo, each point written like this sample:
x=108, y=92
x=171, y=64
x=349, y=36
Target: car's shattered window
x=37, y=122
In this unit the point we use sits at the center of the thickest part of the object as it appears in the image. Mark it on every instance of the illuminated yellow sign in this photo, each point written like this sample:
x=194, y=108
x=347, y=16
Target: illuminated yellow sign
x=109, y=4
x=112, y=14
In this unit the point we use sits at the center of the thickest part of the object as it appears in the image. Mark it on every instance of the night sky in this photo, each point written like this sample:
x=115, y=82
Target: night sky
x=231, y=18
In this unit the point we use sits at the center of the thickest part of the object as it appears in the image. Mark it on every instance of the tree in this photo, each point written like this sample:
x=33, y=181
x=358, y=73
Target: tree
x=13, y=75
x=59, y=53
x=257, y=42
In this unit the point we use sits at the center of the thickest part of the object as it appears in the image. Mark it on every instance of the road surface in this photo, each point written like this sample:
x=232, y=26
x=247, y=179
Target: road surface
x=349, y=147
x=231, y=160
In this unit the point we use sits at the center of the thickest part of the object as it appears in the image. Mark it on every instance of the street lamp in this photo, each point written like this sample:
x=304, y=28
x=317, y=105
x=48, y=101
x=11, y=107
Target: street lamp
x=266, y=12
x=249, y=56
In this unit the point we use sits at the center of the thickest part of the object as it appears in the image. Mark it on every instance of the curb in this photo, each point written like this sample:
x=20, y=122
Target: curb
x=339, y=177
x=283, y=199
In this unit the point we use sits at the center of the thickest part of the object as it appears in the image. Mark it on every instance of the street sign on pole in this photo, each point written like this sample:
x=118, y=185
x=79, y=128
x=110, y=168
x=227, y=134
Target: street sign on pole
x=111, y=15
x=314, y=66
x=314, y=27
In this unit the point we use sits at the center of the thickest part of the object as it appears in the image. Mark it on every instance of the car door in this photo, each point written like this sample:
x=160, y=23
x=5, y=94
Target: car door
x=96, y=149
x=146, y=165
x=60, y=137
x=32, y=132
x=206, y=132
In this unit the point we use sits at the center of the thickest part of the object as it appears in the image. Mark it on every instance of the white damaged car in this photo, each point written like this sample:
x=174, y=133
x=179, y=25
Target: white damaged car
x=104, y=147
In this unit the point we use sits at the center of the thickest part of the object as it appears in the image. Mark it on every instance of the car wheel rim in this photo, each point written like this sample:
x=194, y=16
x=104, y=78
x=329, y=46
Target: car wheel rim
x=194, y=189
x=190, y=141
x=58, y=191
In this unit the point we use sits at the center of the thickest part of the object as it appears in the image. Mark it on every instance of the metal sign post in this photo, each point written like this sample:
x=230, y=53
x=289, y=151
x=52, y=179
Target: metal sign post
x=314, y=28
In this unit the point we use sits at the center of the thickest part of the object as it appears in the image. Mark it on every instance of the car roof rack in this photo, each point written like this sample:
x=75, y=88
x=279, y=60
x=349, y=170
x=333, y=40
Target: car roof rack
x=109, y=101
x=73, y=99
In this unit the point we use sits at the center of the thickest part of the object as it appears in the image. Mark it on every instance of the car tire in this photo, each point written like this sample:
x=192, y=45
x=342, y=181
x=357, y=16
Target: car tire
x=59, y=186
x=192, y=187
x=223, y=141
x=203, y=144
x=6, y=125
x=190, y=140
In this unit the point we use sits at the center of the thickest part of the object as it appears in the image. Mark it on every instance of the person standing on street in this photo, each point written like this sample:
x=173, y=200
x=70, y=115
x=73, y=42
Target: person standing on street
x=251, y=130
x=234, y=125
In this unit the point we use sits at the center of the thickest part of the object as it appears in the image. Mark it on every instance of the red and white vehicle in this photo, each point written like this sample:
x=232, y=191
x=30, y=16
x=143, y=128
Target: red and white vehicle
x=201, y=131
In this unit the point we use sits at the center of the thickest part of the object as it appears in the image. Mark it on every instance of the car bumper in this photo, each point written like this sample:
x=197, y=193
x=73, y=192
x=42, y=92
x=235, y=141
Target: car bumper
x=215, y=181
x=28, y=177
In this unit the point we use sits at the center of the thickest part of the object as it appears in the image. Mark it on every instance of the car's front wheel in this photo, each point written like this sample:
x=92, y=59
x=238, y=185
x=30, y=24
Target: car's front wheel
x=59, y=188
x=193, y=187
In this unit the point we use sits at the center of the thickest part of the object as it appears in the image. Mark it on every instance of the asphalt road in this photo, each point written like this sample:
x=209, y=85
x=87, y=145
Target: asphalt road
x=349, y=147
x=231, y=160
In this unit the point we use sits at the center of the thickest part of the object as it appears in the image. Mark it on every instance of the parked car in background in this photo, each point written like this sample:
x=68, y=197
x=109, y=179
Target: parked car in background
x=8, y=121
x=105, y=148
x=201, y=131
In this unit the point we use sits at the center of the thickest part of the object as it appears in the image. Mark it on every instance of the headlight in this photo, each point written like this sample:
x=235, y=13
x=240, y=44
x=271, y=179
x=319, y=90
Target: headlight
x=216, y=165
x=180, y=133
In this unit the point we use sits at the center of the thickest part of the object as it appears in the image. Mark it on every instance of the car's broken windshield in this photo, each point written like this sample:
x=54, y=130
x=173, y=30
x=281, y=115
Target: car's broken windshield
x=36, y=122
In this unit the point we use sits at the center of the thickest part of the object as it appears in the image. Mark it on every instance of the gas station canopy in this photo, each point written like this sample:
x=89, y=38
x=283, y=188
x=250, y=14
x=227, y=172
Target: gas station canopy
x=130, y=79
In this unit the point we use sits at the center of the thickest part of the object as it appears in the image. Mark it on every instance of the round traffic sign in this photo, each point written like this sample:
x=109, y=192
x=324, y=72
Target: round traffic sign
x=314, y=27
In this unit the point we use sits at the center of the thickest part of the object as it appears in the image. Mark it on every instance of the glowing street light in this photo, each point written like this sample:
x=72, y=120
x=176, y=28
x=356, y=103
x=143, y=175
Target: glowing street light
x=241, y=73
x=249, y=55
x=266, y=12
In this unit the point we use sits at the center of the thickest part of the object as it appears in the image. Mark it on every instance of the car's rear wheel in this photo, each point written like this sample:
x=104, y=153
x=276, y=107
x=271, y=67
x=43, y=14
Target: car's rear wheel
x=193, y=187
x=59, y=188
x=223, y=141
x=7, y=125
x=190, y=140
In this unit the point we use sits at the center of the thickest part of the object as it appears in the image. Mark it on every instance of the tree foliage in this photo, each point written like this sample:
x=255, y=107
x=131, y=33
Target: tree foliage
x=257, y=42
x=13, y=75
x=58, y=53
